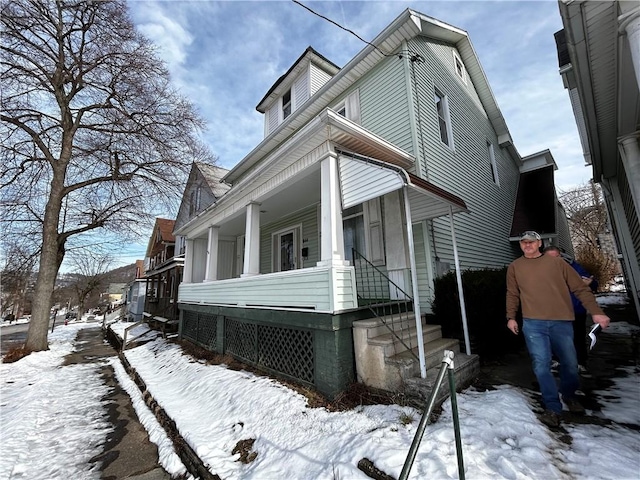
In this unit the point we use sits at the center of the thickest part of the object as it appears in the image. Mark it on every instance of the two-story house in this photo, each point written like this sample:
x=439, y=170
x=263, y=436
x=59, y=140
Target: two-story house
x=372, y=180
x=163, y=273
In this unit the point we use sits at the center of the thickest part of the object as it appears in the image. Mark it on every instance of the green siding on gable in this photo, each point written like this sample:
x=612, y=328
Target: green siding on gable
x=464, y=171
x=384, y=107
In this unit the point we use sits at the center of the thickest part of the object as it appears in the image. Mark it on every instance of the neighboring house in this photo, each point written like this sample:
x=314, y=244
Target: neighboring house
x=371, y=181
x=599, y=53
x=136, y=293
x=115, y=293
x=163, y=272
x=203, y=189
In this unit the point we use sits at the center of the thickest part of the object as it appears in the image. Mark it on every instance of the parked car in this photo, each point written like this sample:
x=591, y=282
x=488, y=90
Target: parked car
x=71, y=315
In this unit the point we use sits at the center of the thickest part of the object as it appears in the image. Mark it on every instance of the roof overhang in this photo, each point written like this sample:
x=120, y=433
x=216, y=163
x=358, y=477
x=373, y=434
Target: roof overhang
x=605, y=79
x=426, y=200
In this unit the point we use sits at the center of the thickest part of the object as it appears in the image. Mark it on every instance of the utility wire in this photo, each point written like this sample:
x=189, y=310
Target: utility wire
x=415, y=57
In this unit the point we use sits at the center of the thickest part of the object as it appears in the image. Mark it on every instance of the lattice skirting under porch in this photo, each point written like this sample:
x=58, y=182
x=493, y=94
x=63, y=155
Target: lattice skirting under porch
x=312, y=349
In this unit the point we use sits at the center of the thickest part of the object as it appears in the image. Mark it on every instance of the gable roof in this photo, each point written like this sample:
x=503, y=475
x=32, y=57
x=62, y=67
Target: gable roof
x=299, y=65
x=409, y=24
x=213, y=175
x=164, y=227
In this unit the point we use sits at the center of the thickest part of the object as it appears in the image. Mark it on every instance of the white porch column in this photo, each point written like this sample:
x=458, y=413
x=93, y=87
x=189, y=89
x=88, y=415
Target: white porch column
x=332, y=240
x=212, y=254
x=463, y=308
x=629, y=23
x=252, y=241
x=414, y=281
x=630, y=153
x=187, y=273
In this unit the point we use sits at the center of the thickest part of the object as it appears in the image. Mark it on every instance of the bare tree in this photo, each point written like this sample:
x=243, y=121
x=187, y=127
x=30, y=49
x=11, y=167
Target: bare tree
x=91, y=269
x=17, y=274
x=588, y=223
x=93, y=135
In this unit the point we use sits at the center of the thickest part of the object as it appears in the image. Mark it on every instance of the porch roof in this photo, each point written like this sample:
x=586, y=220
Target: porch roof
x=364, y=178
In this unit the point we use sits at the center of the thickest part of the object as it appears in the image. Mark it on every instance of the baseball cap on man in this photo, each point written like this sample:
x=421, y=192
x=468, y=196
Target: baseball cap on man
x=530, y=235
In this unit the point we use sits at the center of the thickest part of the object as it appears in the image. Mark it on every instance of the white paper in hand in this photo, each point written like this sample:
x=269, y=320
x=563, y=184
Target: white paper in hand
x=593, y=334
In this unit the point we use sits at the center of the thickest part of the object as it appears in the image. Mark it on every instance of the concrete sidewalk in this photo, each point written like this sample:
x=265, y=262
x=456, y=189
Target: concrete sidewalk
x=128, y=453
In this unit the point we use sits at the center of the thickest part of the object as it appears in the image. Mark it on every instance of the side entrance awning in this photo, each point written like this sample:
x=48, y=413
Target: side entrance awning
x=363, y=179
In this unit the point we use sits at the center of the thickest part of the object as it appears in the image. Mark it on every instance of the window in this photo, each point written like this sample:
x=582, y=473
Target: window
x=362, y=231
x=350, y=107
x=353, y=232
x=286, y=104
x=459, y=67
x=492, y=164
x=444, y=122
x=194, y=200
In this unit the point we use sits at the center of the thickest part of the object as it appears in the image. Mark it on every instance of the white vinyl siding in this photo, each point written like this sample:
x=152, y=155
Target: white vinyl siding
x=302, y=88
x=318, y=78
x=300, y=91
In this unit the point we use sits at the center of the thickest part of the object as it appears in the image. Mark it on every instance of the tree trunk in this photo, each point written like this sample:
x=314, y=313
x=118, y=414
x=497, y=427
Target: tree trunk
x=51, y=258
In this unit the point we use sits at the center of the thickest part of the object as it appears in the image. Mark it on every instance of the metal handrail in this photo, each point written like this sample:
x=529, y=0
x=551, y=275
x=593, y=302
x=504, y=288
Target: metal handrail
x=385, y=299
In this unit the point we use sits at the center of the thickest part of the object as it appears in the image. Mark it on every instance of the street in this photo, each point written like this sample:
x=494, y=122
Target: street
x=14, y=335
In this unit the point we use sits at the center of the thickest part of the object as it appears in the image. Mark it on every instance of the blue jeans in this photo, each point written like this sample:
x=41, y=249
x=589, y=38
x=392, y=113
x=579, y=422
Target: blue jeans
x=544, y=338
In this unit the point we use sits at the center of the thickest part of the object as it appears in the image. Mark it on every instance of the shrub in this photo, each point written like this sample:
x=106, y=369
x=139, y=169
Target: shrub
x=485, y=297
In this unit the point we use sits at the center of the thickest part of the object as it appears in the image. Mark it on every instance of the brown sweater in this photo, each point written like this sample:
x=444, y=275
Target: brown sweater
x=541, y=285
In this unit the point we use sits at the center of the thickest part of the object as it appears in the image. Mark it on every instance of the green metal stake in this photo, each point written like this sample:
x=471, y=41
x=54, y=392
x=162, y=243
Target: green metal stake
x=447, y=362
x=456, y=422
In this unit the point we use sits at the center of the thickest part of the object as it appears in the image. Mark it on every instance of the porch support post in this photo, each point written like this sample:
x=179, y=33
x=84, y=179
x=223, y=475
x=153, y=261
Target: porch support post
x=212, y=254
x=187, y=274
x=414, y=284
x=332, y=241
x=630, y=154
x=463, y=309
x=252, y=241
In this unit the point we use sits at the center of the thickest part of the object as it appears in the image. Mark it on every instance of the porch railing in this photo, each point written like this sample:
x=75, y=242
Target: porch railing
x=164, y=307
x=386, y=300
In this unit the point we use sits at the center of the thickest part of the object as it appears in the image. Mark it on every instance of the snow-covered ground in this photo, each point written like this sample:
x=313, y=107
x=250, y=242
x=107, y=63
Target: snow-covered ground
x=53, y=421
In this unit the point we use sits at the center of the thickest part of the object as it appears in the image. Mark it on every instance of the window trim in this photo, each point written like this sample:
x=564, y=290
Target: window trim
x=445, y=118
x=492, y=163
x=457, y=61
x=275, y=246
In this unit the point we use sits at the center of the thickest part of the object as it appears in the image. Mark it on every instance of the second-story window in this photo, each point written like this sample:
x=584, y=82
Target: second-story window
x=444, y=120
x=286, y=104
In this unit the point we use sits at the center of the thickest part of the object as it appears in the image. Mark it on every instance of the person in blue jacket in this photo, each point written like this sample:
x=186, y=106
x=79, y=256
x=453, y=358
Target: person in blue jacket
x=580, y=322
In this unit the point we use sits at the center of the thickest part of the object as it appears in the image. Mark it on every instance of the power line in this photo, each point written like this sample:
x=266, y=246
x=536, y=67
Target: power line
x=414, y=57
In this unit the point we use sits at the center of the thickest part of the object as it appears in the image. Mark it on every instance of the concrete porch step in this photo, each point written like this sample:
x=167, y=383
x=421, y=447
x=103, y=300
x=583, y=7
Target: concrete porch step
x=466, y=369
x=393, y=346
x=433, y=352
x=376, y=326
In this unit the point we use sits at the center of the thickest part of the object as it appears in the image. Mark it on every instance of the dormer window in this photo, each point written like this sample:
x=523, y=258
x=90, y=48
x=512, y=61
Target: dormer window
x=286, y=104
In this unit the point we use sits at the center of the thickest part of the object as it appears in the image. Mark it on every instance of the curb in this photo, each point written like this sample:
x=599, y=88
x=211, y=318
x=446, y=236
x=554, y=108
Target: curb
x=194, y=464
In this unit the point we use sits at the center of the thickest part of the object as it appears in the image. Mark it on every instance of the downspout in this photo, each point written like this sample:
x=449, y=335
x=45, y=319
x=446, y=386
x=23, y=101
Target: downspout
x=463, y=309
x=414, y=283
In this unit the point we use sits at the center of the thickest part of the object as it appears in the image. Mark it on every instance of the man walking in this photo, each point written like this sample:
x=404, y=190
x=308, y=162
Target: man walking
x=580, y=313
x=541, y=285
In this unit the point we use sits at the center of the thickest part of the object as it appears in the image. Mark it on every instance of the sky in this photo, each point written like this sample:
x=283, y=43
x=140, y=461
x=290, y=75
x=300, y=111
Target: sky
x=50, y=431
x=225, y=55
